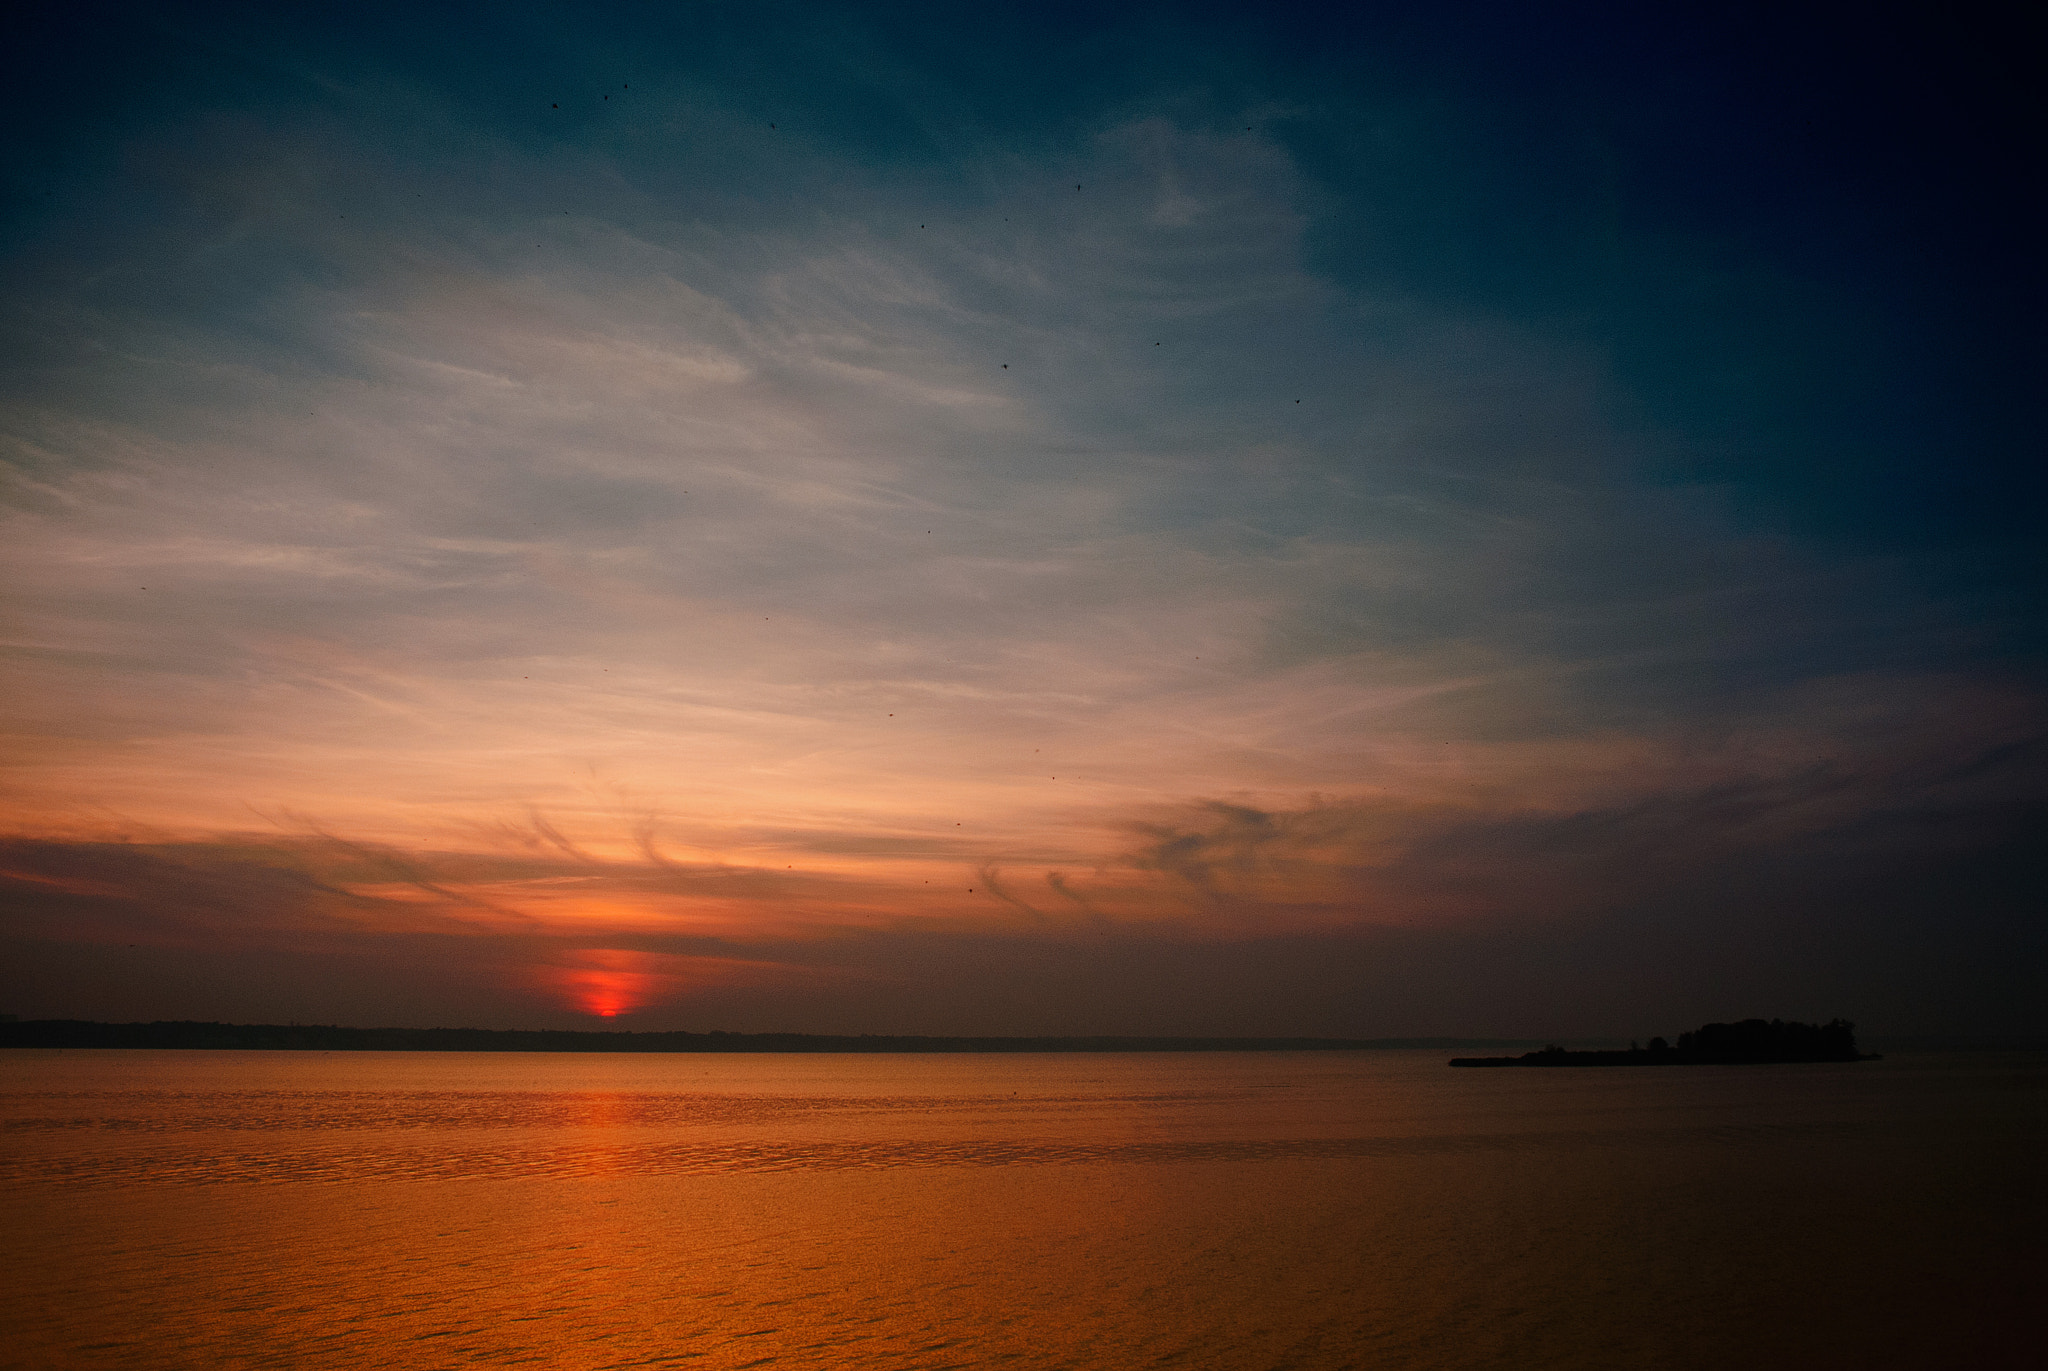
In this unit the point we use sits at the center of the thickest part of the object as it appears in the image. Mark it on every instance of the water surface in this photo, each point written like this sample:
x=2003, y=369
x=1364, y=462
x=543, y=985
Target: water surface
x=1313, y=1210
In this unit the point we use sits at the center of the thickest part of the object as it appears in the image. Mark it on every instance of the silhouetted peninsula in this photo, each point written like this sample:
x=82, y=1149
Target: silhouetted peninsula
x=77, y=1033
x=1751, y=1041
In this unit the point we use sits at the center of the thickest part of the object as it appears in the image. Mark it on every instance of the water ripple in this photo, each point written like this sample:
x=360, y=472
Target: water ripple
x=164, y=1111
x=356, y=1163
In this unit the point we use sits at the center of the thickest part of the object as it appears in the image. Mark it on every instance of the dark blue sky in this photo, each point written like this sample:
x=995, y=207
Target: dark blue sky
x=1806, y=235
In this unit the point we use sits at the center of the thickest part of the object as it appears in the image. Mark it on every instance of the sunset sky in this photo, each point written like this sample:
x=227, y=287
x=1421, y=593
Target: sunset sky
x=1470, y=519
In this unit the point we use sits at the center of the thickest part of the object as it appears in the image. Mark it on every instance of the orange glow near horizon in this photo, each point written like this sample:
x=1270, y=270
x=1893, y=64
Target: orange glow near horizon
x=610, y=982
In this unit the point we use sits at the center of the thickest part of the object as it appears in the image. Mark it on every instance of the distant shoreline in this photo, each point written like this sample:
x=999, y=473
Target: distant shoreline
x=78, y=1033
x=1573, y=1059
x=1751, y=1042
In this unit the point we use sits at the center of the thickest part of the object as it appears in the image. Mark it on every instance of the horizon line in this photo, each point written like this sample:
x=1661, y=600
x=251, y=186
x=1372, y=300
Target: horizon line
x=217, y=1035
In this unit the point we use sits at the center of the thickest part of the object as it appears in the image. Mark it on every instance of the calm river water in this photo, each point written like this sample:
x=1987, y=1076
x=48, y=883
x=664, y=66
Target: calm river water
x=1314, y=1210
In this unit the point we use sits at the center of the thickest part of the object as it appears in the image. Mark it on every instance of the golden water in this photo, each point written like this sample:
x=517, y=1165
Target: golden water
x=220, y=1209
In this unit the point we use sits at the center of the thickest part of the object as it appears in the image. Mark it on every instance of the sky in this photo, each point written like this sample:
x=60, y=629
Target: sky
x=1452, y=519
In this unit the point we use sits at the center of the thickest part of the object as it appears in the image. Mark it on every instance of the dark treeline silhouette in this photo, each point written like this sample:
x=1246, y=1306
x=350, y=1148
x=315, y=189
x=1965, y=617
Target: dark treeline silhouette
x=1714, y=1044
x=329, y=1038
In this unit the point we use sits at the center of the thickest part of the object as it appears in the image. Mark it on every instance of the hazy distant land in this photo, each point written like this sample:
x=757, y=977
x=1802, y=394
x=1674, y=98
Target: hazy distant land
x=1751, y=1041
x=1747, y=1041
x=331, y=1038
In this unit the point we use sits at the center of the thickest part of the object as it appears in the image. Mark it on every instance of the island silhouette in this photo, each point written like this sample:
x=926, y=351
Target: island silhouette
x=1751, y=1041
